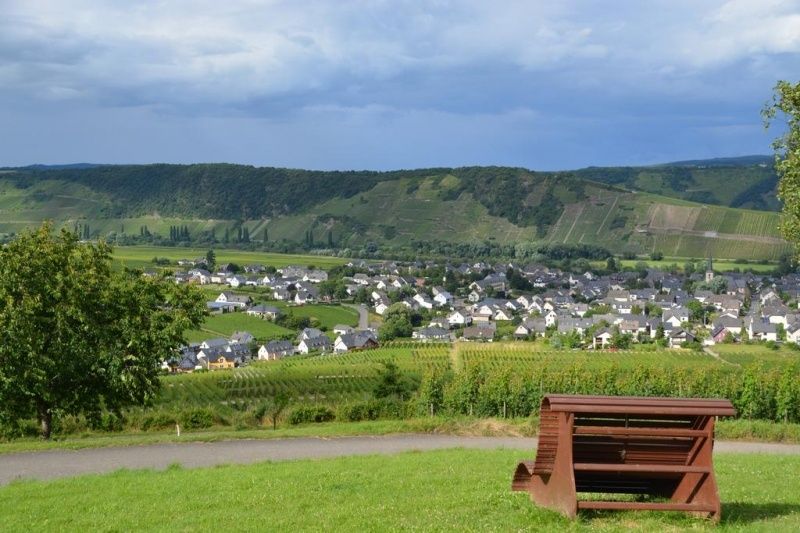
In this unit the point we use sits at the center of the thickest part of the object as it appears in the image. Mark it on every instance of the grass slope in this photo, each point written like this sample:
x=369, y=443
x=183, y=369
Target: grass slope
x=452, y=490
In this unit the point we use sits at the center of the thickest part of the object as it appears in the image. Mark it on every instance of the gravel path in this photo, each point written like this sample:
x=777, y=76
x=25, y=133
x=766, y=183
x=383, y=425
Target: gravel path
x=62, y=463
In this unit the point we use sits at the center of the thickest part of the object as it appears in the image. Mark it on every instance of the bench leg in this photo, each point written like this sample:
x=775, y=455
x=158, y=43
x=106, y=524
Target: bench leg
x=701, y=488
x=555, y=491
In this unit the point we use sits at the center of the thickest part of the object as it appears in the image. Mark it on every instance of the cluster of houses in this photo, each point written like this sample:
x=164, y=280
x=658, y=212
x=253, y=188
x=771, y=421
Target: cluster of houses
x=292, y=284
x=744, y=305
x=645, y=306
x=222, y=354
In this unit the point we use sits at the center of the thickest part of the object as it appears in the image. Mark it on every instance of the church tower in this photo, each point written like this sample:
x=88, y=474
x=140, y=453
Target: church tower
x=709, y=270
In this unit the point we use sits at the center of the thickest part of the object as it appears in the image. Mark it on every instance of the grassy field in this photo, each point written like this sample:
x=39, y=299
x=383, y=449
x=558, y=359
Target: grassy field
x=450, y=490
x=141, y=256
x=226, y=324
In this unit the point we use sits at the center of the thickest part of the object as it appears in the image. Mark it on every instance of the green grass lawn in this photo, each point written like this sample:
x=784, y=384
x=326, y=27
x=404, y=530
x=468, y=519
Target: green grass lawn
x=450, y=490
x=226, y=324
x=328, y=315
x=141, y=256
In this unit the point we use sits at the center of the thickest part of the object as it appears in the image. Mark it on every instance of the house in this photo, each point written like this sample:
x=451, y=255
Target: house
x=431, y=334
x=601, y=338
x=315, y=344
x=459, y=318
x=238, y=300
x=423, y=301
x=237, y=281
x=531, y=327
x=761, y=330
x=478, y=333
x=220, y=361
x=359, y=340
x=342, y=329
x=215, y=343
x=675, y=316
x=242, y=337
x=550, y=318
x=275, y=350
x=678, y=337
x=315, y=276
x=309, y=333
x=441, y=297
x=264, y=311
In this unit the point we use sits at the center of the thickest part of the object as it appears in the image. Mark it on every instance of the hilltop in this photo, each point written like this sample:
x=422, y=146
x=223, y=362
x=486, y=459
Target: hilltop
x=686, y=209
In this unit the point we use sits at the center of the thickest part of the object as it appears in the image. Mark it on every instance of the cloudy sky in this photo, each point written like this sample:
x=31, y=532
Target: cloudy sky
x=390, y=84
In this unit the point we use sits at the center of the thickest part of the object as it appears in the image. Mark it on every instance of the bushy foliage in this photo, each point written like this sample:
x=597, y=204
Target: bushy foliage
x=309, y=414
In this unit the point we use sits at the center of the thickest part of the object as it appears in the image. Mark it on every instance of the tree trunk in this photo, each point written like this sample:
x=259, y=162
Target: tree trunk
x=46, y=422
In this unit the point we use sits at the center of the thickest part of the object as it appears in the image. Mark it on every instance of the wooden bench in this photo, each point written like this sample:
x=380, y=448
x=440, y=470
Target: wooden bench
x=659, y=447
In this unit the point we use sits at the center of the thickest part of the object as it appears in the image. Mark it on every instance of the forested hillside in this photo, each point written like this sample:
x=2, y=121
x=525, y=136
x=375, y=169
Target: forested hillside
x=625, y=210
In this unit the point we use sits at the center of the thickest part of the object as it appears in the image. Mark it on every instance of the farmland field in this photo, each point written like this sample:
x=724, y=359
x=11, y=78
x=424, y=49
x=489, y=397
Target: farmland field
x=336, y=378
x=447, y=490
x=226, y=324
x=141, y=257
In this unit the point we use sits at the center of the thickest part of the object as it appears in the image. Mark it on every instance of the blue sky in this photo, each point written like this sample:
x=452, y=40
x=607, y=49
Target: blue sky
x=390, y=84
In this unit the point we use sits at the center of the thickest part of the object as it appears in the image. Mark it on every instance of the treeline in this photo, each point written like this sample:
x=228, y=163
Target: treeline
x=696, y=181
x=239, y=192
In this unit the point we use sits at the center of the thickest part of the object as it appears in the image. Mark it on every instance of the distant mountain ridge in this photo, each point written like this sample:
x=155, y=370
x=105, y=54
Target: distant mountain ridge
x=680, y=209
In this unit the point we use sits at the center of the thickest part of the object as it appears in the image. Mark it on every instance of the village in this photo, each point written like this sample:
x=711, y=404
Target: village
x=481, y=302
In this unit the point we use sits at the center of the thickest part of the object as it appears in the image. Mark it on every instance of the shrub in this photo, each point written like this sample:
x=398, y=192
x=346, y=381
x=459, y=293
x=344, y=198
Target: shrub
x=197, y=418
x=371, y=410
x=307, y=414
x=155, y=421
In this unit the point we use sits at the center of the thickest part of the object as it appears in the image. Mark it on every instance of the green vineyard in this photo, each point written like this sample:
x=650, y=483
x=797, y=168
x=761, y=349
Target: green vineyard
x=331, y=378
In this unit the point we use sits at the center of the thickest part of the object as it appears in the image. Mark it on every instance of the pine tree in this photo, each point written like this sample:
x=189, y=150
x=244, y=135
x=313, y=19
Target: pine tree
x=266, y=236
x=330, y=239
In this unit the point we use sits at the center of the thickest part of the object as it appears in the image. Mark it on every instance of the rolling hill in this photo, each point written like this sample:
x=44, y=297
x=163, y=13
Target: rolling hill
x=631, y=209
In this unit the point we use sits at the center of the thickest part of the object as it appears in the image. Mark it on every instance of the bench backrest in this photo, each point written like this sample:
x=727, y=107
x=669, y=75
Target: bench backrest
x=626, y=430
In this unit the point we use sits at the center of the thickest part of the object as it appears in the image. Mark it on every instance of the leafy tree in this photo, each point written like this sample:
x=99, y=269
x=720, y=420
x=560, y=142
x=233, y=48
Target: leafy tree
x=696, y=310
x=396, y=323
x=211, y=259
x=786, y=102
x=273, y=408
x=391, y=383
x=77, y=336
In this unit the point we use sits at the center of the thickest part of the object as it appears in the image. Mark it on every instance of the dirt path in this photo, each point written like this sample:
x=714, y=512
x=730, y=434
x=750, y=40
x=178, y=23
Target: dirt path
x=64, y=463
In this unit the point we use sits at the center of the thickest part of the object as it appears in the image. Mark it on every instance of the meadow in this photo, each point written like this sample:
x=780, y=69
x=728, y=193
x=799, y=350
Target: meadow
x=225, y=324
x=142, y=257
x=448, y=490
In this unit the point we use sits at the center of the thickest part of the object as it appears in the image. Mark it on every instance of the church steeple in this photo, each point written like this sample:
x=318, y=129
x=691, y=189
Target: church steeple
x=709, y=270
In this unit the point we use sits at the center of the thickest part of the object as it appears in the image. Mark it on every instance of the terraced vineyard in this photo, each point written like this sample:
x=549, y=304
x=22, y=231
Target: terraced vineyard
x=323, y=378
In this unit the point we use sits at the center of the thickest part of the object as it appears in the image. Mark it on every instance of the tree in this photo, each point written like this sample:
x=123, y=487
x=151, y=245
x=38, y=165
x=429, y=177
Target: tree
x=273, y=408
x=211, y=259
x=696, y=310
x=76, y=336
x=391, y=383
x=786, y=102
x=396, y=323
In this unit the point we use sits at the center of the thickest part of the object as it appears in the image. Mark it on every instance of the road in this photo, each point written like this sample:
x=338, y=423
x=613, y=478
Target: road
x=363, y=315
x=63, y=463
